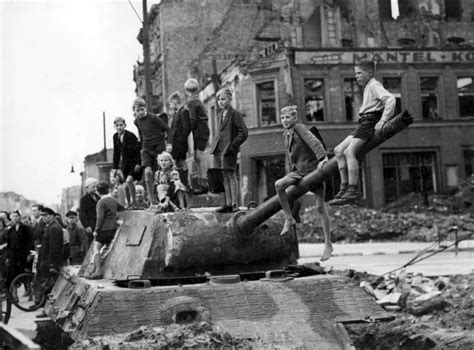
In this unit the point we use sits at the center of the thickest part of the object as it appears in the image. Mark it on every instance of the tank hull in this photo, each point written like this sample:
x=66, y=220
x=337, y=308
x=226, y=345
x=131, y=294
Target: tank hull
x=297, y=312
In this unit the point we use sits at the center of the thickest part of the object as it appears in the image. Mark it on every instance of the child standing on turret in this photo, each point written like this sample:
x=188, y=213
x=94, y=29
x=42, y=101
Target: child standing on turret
x=305, y=153
x=169, y=187
x=152, y=129
x=200, y=130
x=232, y=132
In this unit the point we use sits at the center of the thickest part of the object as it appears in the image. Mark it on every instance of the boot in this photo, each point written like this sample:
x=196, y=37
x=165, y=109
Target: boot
x=202, y=188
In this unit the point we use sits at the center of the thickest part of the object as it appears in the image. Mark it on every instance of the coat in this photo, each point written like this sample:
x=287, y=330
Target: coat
x=232, y=133
x=51, y=253
x=87, y=212
x=304, y=150
x=128, y=150
x=179, y=132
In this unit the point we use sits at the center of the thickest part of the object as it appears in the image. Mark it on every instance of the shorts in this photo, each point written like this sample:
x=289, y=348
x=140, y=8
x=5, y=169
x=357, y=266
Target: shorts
x=129, y=170
x=318, y=190
x=149, y=153
x=105, y=237
x=366, y=128
x=201, y=135
x=225, y=162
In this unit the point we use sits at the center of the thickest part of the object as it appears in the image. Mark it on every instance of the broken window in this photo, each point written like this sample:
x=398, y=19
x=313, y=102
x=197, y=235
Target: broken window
x=429, y=98
x=314, y=99
x=408, y=172
x=269, y=169
x=385, y=9
x=453, y=9
x=468, y=154
x=352, y=98
x=393, y=85
x=466, y=97
x=266, y=98
x=343, y=8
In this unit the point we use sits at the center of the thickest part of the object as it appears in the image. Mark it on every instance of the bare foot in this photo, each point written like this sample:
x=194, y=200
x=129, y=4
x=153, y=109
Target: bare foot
x=327, y=252
x=289, y=226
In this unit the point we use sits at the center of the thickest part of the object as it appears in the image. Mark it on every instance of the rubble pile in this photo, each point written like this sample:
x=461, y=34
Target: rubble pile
x=357, y=224
x=199, y=335
x=429, y=313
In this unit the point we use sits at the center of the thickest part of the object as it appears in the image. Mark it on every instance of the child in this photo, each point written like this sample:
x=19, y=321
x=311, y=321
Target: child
x=378, y=106
x=117, y=186
x=200, y=129
x=305, y=153
x=127, y=150
x=232, y=133
x=178, y=134
x=141, y=203
x=107, y=208
x=169, y=187
x=152, y=130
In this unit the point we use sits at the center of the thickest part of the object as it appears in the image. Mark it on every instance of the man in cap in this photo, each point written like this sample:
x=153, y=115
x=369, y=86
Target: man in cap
x=77, y=238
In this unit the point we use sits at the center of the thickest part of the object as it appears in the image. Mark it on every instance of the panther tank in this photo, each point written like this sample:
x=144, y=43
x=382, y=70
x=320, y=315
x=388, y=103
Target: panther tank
x=227, y=269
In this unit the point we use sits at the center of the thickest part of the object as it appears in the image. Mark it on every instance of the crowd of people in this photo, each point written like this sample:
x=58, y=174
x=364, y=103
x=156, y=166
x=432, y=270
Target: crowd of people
x=149, y=172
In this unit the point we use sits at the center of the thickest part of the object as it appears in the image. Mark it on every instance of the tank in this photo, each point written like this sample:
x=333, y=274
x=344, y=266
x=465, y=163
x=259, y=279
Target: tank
x=226, y=269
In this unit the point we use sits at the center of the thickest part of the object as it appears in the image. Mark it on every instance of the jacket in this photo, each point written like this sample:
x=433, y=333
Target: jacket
x=232, y=133
x=128, y=150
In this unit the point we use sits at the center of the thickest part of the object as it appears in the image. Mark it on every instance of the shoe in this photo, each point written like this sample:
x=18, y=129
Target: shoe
x=224, y=209
x=348, y=198
x=41, y=315
x=338, y=196
x=234, y=208
x=201, y=189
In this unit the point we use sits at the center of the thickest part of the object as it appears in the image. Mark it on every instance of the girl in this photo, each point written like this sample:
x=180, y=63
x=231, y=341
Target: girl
x=169, y=187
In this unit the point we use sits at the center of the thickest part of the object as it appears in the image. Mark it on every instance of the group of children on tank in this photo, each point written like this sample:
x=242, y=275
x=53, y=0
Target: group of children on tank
x=161, y=155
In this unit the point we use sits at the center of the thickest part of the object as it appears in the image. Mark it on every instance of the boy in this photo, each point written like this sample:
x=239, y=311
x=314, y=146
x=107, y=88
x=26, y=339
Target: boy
x=378, y=106
x=141, y=203
x=77, y=239
x=200, y=129
x=126, y=149
x=305, y=153
x=178, y=134
x=232, y=133
x=107, y=208
x=152, y=130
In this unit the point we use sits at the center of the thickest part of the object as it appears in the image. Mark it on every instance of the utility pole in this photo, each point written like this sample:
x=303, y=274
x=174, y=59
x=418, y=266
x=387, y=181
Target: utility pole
x=105, y=143
x=146, y=57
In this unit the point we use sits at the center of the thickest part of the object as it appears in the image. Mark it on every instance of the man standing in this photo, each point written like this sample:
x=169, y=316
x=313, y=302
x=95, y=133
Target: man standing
x=87, y=210
x=77, y=239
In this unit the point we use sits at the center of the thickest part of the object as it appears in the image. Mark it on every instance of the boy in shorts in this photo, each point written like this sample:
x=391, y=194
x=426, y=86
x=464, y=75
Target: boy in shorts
x=152, y=129
x=106, y=226
x=200, y=130
x=127, y=150
x=378, y=106
x=305, y=153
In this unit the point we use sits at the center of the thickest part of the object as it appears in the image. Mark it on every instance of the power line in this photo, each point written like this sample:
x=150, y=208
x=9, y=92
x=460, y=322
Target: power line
x=139, y=18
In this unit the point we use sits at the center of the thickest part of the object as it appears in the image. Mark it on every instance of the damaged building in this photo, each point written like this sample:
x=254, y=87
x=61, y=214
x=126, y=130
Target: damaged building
x=275, y=53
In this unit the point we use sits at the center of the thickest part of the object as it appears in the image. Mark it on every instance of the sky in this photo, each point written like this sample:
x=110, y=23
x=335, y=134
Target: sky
x=63, y=64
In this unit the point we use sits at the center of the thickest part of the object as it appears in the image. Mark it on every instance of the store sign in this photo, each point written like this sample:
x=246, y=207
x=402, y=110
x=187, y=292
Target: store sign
x=389, y=56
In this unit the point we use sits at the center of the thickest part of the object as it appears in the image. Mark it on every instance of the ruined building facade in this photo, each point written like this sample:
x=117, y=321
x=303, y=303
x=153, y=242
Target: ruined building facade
x=279, y=52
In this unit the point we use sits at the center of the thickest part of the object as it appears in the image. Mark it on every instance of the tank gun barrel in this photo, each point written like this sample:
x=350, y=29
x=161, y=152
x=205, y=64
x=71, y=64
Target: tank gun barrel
x=245, y=224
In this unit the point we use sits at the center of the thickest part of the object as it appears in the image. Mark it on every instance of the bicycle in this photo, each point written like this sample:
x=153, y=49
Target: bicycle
x=27, y=292
x=5, y=303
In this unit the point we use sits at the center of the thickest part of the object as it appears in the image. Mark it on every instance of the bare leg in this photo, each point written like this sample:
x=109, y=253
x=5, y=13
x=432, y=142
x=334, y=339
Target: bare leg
x=131, y=188
x=95, y=260
x=150, y=185
x=351, y=159
x=180, y=195
x=325, y=223
x=341, y=158
x=281, y=185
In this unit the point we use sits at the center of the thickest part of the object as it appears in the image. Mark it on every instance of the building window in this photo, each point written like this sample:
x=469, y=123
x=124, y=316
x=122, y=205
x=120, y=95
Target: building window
x=468, y=161
x=269, y=169
x=453, y=9
x=353, y=98
x=266, y=98
x=393, y=85
x=404, y=173
x=466, y=97
x=429, y=98
x=314, y=99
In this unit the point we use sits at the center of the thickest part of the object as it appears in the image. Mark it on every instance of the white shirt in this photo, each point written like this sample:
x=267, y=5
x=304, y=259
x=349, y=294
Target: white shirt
x=377, y=99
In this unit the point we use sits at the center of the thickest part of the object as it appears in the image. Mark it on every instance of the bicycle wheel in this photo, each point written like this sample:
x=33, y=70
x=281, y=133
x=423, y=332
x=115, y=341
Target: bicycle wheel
x=5, y=304
x=23, y=293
